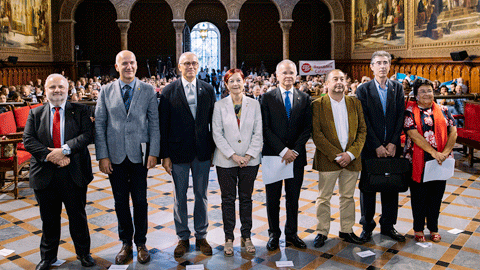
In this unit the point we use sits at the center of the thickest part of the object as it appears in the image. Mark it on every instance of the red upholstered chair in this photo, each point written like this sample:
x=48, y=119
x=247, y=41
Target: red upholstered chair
x=469, y=135
x=36, y=105
x=15, y=160
x=21, y=116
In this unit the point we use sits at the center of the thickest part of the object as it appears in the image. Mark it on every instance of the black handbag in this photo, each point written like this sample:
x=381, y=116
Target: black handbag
x=386, y=174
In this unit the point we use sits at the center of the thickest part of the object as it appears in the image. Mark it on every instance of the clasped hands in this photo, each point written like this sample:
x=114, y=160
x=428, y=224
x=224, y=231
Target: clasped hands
x=57, y=157
x=289, y=156
x=386, y=151
x=343, y=159
x=241, y=161
x=440, y=157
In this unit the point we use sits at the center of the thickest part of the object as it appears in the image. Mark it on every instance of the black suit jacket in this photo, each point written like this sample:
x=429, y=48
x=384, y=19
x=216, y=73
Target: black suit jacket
x=377, y=121
x=182, y=138
x=78, y=135
x=279, y=131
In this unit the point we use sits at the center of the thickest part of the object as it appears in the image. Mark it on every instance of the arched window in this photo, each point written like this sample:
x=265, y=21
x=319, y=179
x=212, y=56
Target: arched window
x=205, y=42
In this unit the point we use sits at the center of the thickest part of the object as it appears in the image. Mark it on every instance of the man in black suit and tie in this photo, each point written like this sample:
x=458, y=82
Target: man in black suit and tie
x=186, y=109
x=383, y=105
x=287, y=124
x=57, y=135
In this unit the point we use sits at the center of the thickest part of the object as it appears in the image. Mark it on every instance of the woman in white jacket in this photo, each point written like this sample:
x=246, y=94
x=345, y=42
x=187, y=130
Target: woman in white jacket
x=237, y=132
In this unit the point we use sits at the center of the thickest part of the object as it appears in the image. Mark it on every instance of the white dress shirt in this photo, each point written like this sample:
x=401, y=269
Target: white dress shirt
x=194, y=85
x=62, y=125
x=340, y=117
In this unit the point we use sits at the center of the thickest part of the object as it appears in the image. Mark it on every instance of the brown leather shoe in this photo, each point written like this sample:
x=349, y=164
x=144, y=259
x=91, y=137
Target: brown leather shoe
x=124, y=255
x=203, y=246
x=182, y=247
x=142, y=254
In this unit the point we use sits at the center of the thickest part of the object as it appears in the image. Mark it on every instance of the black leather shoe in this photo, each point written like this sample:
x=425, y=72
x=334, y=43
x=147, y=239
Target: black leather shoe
x=124, y=255
x=392, y=233
x=272, y=243
x=319, y=240
x=87, y=261
x=366, y=236
x=350, y=237
x=45, y=264
x=295, y=241
x=142, y=254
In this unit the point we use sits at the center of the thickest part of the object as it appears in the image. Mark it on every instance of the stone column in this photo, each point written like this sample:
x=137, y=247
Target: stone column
x=179, y=25
x=233, y=27
x=123, y=25
x=286, y=25
x=65, y=44
x=338, y=38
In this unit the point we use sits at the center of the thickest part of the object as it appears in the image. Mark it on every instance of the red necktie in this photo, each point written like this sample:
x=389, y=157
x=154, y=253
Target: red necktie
x=56, y=129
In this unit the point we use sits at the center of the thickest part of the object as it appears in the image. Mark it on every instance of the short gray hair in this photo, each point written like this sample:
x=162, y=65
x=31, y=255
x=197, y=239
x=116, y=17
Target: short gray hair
x=380, y=53
x=56, y=75
x=284, y=62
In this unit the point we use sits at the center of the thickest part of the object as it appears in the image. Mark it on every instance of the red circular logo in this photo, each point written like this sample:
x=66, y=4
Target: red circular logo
x=306, y=67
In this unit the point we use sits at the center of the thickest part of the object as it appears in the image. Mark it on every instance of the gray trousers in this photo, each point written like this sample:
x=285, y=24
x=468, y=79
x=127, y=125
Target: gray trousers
x=180, y=174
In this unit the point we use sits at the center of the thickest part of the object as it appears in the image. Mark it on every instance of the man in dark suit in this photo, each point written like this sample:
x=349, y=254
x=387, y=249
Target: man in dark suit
x=287, y=124
x=186, y=109
x=383, y=105
x=126, y=117
x=57, y=135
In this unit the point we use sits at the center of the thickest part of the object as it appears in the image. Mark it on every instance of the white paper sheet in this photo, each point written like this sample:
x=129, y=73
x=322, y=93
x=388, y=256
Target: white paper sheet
x=284, y=263
x=425, y=244
x=5, y=252
x=434, y=171
x=58, y=263
x=273, y=170
x=195, y=267
x=366, y=253
x=455, y=231
x=118, y=267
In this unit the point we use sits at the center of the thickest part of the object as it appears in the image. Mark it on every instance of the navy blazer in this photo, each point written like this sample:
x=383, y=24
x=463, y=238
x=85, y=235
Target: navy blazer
x=78, y=135
x=279, y=131
x=377, y=121
x=182, y=137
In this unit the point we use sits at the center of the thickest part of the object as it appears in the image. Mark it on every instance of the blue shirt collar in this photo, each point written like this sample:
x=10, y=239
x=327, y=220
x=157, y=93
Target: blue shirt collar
x=132, y=84
x=62, y=106
x=377, y=84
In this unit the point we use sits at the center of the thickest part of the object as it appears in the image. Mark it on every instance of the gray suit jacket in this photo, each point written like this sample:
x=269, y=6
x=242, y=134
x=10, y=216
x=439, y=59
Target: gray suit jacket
x=118, y=134
x=231, y=139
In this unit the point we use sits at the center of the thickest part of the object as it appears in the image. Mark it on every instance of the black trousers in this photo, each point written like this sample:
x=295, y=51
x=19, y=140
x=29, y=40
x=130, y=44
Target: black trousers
x=62, y=189
x=293, y=187
x=389, y=210
x=229, y=178
x=130, y=179
x=426, y=202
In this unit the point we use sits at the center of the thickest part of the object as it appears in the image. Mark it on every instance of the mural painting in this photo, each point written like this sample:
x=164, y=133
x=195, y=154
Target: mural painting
x=446, y=20
x=25, y=24
x=379, y=23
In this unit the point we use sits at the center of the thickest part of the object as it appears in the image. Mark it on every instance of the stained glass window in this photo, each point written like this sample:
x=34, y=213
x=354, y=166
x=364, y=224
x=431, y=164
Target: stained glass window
x=205, y=40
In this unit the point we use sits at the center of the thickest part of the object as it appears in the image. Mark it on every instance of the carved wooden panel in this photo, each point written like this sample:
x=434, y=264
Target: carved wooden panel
x=440, y=73
x=448, y=73
x=475, y=80
x=457, y=71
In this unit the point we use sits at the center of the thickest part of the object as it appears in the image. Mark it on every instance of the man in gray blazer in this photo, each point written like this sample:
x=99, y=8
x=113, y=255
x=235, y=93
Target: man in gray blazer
x=125, y=118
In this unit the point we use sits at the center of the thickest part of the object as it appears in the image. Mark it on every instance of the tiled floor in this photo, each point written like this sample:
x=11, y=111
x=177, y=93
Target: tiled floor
x=20, y=230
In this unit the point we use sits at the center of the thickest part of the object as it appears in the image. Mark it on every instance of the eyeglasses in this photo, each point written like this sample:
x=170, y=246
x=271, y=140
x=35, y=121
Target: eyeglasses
x=193, y=64
x=425, y=92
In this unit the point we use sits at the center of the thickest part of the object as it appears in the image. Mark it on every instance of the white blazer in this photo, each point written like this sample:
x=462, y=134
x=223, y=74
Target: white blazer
x=231, y=139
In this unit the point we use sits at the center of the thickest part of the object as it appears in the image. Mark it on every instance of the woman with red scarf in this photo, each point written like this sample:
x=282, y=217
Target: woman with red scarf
x=431, y=134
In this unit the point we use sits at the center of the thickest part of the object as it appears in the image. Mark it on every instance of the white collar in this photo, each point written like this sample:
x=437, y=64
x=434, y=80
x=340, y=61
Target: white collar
x=333, y=101
x=185, y=83
x=61, y=106
x=283, y=90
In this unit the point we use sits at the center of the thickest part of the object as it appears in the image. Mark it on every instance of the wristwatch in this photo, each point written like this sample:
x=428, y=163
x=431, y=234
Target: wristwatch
x=66, y=150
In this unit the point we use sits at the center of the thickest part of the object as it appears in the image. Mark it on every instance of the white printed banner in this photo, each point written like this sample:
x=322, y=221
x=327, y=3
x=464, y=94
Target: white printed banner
x=316, y=67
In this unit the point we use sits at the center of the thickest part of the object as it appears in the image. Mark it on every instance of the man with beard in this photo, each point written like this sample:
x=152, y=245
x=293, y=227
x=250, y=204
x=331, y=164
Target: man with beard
x=339, y=144
x=57, y=135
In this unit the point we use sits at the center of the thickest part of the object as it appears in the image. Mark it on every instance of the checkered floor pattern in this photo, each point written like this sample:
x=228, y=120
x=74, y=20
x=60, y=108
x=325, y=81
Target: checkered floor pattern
x=20, y=229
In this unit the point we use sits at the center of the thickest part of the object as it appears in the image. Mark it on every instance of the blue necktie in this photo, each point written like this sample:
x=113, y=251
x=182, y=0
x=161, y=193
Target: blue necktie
x=288, y=104
x=127, y=96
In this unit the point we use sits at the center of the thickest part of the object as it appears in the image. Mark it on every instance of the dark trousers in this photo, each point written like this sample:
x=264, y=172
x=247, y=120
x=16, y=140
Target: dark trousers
x=130, y=179
x=389, y=210
x=426, y=202
x=292, y=194
x=229, y=178
x=62, y=189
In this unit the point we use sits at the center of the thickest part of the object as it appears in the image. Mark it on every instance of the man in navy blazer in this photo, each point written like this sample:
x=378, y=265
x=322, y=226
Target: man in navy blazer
x=126, y=117
x=287, y=125
x=186, y=109
x=57, y=135
x=383, y=104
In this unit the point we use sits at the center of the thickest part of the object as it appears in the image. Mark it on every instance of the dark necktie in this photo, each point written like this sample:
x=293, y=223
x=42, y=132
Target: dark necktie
x=127, y=96
x=57, y=143
x=288, y=104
